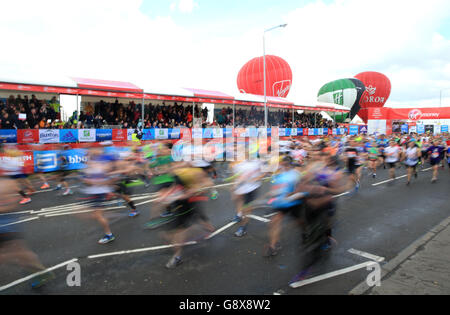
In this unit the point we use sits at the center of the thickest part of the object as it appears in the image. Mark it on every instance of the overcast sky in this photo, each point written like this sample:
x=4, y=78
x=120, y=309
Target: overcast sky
x=203, y=43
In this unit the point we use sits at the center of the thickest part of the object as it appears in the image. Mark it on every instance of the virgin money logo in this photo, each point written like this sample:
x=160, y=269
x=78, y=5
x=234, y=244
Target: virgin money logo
x=281, y=88
x=28, y=134
x=371, y=90
x=415, y=114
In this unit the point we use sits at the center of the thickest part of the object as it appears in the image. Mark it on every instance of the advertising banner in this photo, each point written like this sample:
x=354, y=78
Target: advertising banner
x=197, y=133
x=45, y=161
x=207, y=133
x=148, y=134
x=25, y=160
x=68, y=135
x=48, y=135
x=362, y=130
x=86, y=135
x=252, y=132
x=218, y=133
x=294, y=132
x=77, y=158
x=130, y=133
x=174, y=133
x=404, y=128
x=119, y=135
x=228, y=132
x=103, y=135
x=444, y=128
x=353, y=130
x=300, y=131
x=27, y=136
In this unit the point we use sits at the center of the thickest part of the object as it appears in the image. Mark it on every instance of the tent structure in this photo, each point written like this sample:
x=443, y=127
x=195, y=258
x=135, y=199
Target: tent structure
x=94, y=88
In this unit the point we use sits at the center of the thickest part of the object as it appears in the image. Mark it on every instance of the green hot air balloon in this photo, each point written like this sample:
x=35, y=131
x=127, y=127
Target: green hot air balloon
x=345, y=92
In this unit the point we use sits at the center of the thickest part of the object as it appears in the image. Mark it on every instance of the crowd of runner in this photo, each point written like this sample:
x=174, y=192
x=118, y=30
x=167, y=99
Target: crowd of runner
x=305, y=176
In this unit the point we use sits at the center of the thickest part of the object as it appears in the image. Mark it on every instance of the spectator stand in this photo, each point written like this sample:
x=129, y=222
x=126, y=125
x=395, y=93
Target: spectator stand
x=101, y=103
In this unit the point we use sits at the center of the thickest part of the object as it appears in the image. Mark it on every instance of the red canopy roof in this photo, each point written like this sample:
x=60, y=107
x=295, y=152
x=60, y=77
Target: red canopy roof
x=206, y=93
x=107, y=85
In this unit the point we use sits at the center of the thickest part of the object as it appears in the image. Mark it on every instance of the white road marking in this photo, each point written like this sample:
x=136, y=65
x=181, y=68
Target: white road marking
x=36, y=274
x=331, y=274
x=366, y=255
x=252, y=216
x=21, y=221
x=123, y=252
x=221, y=230
x=51, y=189
x=389, y=180
x=148, y=201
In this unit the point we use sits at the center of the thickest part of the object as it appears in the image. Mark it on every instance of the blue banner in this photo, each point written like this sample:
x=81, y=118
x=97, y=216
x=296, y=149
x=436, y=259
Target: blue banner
x=103, y=135
x=149, y=134
x=420, y=129
x=253, y=132
x=207, y=133
x=353, y=130
x=49, y=161
x=299, y=131
x=46, y=161
x=316, y=132
x=325, y=131
x=68, y=135
x=8, y=136
x=228, y=132
x=404, y=129
x=444, y=128
x=287, y=132
x=174, y=133
x=363, y=129
x=77, y=158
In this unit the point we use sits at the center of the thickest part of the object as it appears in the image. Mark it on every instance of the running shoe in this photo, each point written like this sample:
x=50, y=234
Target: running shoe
x=237, y=218
x=45, y=186
x=40, y=280
x=166, y=214
x=133, y=213
x=173, y=262
x=214, y=194
x=106, y=239
x=374, y=175
x=24, y=201
x=67, y=192
x=240, y=232
x=59, y=187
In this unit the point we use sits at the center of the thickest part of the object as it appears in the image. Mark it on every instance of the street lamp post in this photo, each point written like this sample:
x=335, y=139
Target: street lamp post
x=264, y=70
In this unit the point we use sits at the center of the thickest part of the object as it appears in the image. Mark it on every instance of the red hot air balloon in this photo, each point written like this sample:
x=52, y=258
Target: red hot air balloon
x=278, y=77
x=378, y=89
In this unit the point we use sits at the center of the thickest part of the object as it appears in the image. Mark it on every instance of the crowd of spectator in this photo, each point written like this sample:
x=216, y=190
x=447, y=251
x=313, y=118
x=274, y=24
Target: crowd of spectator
x=45, y=114
x=281, y=118
x=28, y=113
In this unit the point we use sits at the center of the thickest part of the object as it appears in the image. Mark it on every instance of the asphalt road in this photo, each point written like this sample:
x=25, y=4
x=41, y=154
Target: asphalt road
x=380, y=219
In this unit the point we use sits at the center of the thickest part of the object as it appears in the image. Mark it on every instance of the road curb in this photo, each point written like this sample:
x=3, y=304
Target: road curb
x=387, y=268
